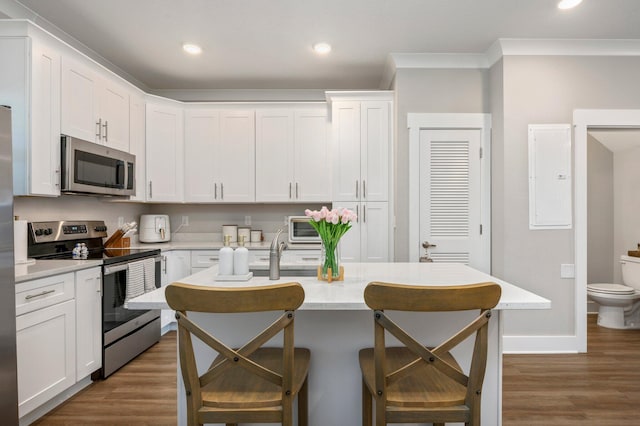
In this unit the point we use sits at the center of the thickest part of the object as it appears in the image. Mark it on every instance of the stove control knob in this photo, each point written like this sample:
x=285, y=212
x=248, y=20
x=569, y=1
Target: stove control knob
x=39, y=232
x=48, y=231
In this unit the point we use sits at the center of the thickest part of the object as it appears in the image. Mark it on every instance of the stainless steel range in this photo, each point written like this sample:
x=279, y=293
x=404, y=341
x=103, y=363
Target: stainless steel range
x=126, y=333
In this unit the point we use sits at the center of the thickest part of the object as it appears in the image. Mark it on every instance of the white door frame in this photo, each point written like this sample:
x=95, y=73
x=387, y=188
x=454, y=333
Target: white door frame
x=583, y=119
x=420, y=121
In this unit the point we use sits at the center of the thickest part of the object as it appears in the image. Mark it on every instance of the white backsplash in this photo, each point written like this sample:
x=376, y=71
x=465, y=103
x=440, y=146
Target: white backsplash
x=205, y=220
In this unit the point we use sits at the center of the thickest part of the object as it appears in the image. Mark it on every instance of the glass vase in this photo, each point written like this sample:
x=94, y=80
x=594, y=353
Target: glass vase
x=330, y=260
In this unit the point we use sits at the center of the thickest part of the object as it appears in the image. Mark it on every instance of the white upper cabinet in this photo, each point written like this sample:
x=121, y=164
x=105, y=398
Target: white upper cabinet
x=219, y=156
x=201, y=141
x=292, y=156
x=95, y=107
x=312, y=165
x=361, y=150
x=30, y=84
x=236, y=158
x=275, y=179
x=165, y=152
x=137, y=142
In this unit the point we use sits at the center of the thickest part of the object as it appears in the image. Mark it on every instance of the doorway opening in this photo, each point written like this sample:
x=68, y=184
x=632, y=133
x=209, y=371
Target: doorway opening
x=610, y=125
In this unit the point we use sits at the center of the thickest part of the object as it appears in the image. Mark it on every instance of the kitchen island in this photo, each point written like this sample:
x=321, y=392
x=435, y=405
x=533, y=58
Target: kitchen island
x=334, y=323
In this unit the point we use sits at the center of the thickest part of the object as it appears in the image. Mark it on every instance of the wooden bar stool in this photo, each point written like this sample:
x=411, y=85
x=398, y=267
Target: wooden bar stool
x=414, y=383
x=252, y=383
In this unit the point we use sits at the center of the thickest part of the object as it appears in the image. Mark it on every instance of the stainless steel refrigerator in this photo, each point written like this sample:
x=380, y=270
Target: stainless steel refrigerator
x=8, y=366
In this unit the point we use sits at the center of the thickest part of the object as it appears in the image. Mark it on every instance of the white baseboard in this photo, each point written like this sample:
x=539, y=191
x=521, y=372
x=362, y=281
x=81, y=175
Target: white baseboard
x=172, y=326
x=539, y=344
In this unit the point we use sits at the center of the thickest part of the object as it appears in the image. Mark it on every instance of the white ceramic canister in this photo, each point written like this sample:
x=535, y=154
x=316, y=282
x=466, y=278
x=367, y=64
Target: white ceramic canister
x=231, y=231
x=244, y=232
x=256, y=236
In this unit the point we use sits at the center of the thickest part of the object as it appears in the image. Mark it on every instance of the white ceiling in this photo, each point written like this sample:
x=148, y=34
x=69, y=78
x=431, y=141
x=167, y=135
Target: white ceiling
x=266, y=44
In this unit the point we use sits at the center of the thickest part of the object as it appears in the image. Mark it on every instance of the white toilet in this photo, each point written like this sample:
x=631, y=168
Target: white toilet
x=619, y=305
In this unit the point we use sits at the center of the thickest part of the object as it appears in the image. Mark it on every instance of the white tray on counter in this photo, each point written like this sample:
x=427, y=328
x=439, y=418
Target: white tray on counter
x=245, y=277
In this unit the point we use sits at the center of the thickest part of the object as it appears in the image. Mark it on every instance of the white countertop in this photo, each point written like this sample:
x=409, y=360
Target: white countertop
x=47, y=268
x=348, y=294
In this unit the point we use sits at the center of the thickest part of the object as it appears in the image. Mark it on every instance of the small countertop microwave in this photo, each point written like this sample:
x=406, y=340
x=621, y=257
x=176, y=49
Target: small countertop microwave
x=91, y=168
x=301, y=231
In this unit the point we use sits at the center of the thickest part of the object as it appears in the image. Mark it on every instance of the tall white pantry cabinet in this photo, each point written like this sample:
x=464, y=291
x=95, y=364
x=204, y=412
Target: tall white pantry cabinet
x=362, y=160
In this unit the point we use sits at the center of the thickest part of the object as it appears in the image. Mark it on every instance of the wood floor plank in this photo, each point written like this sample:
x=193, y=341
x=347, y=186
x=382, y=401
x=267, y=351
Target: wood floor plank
x=601, y=387
x=142, y=392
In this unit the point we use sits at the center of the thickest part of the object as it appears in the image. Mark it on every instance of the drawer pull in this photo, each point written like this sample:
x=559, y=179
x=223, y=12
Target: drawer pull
x=311, y=258
x=31, y=296
x=263, y=258
x=213, y=258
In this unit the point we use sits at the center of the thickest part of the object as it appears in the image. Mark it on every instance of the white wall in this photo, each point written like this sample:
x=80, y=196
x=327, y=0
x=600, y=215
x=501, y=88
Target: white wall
x=546, y=89
x=600, y=207
x=428, y=91
x=626, y=195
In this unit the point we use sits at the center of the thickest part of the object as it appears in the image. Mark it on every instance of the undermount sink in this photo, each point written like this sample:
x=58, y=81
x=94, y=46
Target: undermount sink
x=287, y=272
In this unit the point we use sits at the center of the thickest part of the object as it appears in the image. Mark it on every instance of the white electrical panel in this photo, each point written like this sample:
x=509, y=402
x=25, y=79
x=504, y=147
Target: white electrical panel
x=550, y=176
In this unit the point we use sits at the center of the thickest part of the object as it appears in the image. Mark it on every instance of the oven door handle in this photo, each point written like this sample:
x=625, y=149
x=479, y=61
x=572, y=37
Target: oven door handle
x=108, y=270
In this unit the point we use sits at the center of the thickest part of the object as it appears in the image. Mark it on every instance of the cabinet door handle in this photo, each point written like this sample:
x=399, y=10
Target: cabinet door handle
x=356, y=188
x=357, y=213
x=106, y=128
x=221, y=191
x=99, y=133
x=364, y=214
x=215, y=191
x=364, y=188
x=42, y=293
x=150, y=189
x=289, y=190
x=296, y=190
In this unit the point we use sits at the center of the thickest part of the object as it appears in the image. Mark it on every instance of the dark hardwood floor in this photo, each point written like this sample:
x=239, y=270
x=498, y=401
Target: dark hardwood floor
x=142, y=392
x=601, y=387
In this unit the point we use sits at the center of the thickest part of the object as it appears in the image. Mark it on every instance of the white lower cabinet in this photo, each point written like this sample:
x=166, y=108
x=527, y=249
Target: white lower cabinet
x=177, y=266
x=45, y=340
x=368, y=238
x=88, y=321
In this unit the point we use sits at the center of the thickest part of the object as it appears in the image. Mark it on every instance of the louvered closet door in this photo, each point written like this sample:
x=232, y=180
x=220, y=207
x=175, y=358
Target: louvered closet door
x=450, y=184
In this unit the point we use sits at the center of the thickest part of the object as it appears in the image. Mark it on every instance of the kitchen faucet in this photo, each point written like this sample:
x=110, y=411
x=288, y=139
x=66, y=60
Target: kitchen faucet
x=274, y=256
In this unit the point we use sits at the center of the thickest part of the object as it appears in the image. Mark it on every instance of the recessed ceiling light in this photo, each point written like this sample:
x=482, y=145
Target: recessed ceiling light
x=193, y=49
x=568, y=4
x=322, y=48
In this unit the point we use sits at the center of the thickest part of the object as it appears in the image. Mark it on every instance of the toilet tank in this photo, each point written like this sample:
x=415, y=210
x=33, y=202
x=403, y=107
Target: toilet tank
x=630, y=271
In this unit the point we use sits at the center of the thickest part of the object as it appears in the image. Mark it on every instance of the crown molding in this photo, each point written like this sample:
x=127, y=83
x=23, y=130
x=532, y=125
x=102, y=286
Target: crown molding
x=509, y=47
x=359, y=95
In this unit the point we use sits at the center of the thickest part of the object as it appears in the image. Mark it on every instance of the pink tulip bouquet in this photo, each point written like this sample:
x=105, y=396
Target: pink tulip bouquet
x=331, y=225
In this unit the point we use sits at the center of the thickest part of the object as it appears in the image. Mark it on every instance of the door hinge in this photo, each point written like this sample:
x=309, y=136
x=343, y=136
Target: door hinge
x=481, y=229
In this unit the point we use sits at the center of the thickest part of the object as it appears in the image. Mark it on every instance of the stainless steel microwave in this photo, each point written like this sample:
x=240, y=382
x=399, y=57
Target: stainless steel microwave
x=90, y=168
x=301, y=231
